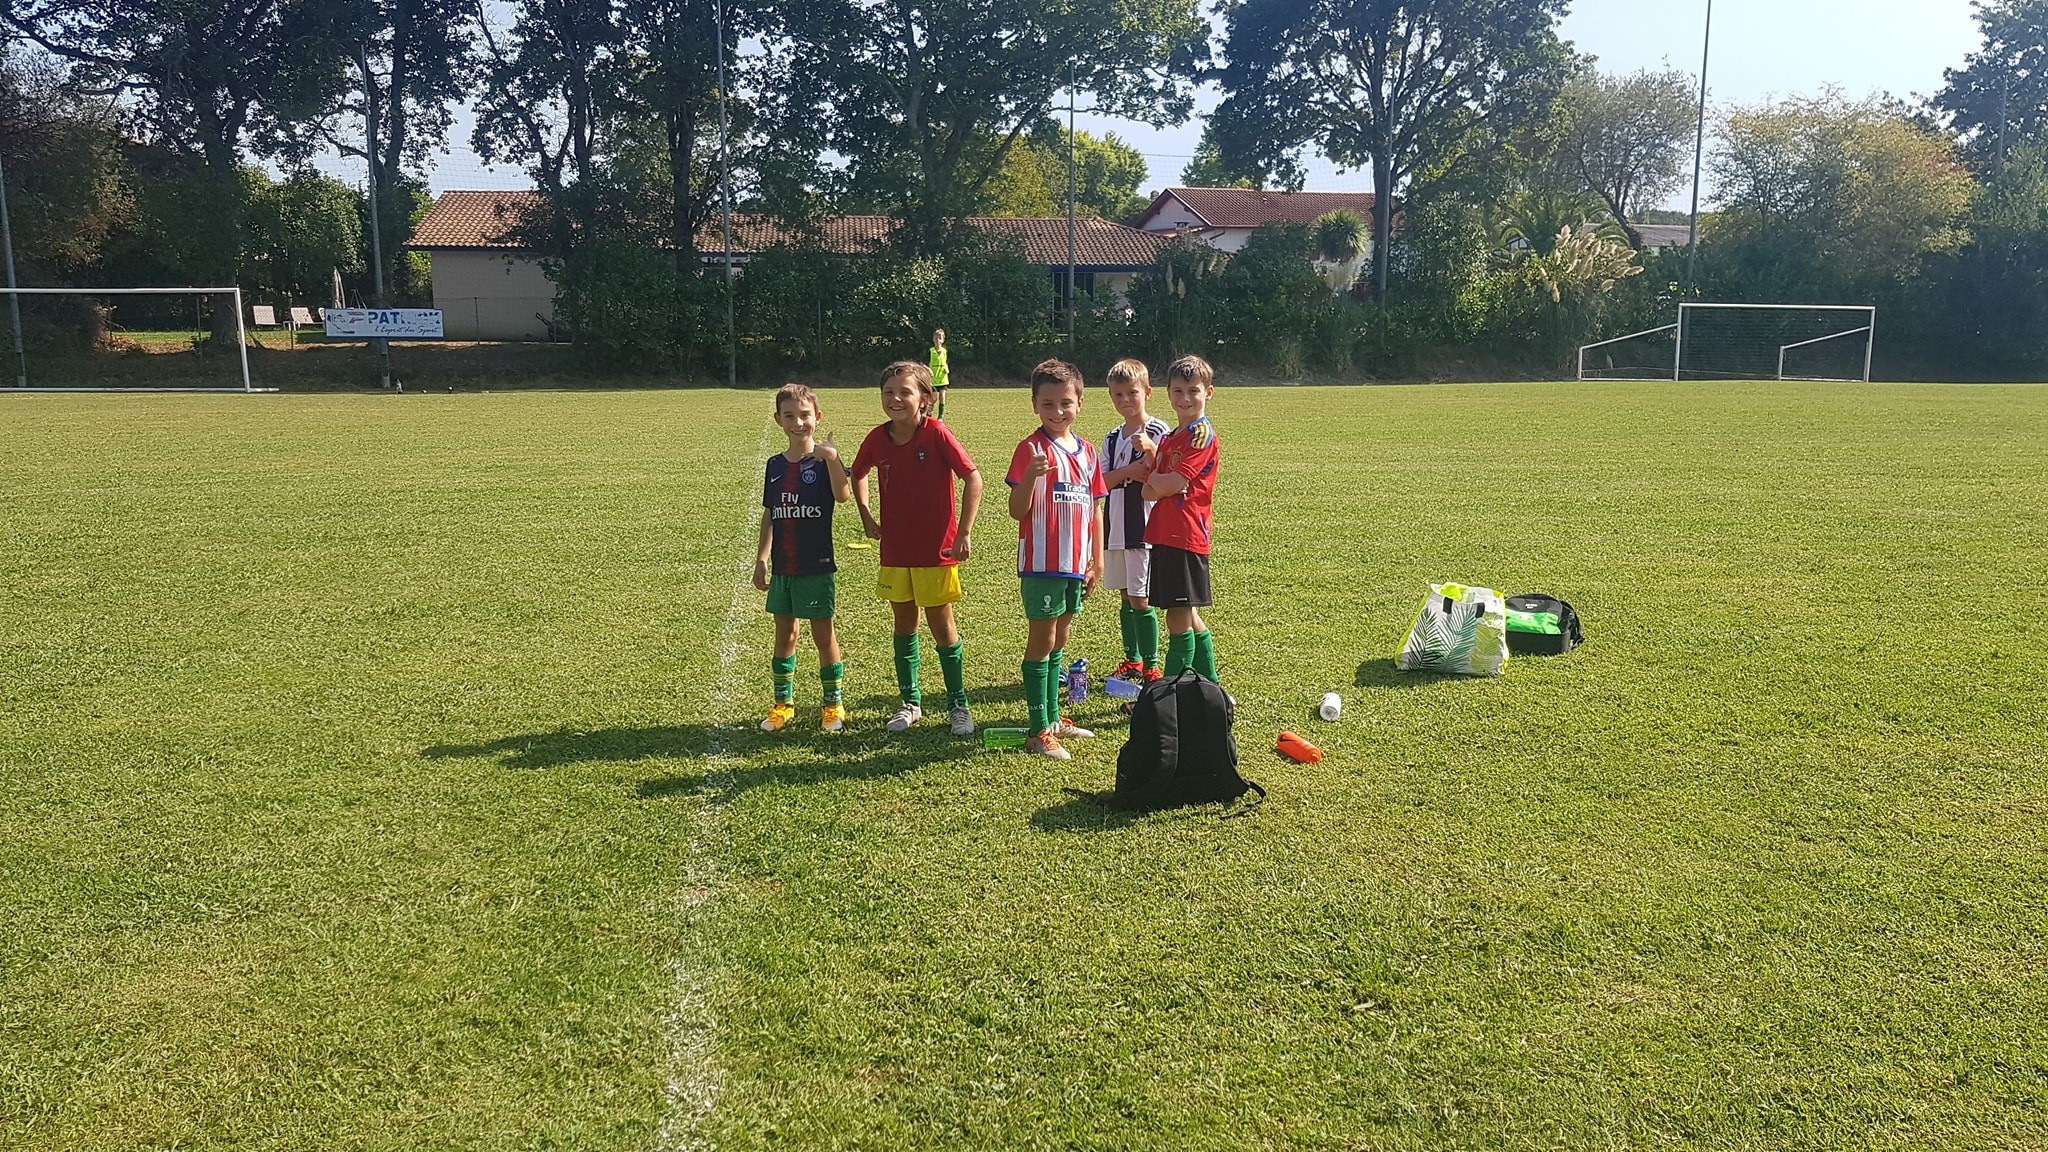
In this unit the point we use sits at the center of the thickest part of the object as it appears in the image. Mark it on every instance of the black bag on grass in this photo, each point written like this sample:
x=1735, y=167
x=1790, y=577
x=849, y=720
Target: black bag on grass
x=1180, y=749
x=1542, y=625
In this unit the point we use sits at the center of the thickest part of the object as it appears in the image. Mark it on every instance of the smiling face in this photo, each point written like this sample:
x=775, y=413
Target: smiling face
x=903, y=399
x=1189, y=397
x=1057, y=404
x=798, y=417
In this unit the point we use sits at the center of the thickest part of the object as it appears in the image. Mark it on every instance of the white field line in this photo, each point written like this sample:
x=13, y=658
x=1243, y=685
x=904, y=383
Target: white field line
x=691, y=1077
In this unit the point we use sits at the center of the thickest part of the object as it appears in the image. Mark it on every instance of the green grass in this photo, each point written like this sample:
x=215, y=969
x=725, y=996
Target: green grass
x=356, y=790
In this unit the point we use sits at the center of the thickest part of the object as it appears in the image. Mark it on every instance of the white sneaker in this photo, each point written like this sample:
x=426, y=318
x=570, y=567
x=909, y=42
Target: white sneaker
x=905, y=716
x=963, y=724
x=1068, y=730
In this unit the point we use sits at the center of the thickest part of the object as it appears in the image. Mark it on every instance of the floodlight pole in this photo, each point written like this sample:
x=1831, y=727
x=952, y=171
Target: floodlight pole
x=13, y=300
x=1072, y=293
x=1699, y=148
x=382, y=344
x=732, y=351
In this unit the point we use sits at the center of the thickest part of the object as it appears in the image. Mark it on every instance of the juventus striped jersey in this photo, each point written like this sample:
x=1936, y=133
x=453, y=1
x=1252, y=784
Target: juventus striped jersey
x=1056, y=539
x=1124, y=522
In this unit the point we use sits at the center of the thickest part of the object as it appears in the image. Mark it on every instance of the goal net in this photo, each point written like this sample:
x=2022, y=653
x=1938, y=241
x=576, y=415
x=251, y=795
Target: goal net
x=127, y=339
x=1742, y=342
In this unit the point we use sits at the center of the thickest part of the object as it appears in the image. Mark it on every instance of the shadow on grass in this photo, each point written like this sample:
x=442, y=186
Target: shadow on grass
x=858, y=754
x=1083, y=812
x=1383, y=672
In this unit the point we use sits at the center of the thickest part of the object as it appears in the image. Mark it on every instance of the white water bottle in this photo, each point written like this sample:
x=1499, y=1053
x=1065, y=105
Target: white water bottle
x=1331, y=707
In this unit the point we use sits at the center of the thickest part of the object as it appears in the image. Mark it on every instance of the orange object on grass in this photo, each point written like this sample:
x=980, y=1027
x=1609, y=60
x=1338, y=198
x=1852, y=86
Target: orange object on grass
x=1295, y=748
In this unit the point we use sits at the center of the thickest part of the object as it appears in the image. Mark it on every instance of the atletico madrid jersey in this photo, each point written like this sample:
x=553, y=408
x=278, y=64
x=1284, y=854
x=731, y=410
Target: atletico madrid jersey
x=1124, y=524
x=1182, y=519
x=798, y=497
x=1057, y=538
x=918, y=520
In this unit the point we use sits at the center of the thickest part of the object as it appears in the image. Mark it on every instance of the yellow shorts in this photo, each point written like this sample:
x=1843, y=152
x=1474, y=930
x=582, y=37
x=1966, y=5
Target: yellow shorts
x=930, y=587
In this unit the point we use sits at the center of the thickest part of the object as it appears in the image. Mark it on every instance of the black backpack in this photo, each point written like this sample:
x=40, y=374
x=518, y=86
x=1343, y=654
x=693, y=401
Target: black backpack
x=1180, y=750
x=1542, y=625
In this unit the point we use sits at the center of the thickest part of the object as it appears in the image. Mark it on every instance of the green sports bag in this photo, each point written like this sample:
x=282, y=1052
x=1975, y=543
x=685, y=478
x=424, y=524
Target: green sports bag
x=1542, y=625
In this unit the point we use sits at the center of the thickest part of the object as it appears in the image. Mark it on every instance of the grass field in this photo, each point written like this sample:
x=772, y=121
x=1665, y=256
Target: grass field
x=378, y=772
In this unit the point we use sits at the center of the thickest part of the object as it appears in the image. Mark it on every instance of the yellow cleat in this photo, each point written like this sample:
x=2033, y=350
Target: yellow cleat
x=833, y=718
x=778, y=716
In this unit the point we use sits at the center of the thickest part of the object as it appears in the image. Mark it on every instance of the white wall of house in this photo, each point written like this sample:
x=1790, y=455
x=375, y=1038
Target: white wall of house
x=491, y=295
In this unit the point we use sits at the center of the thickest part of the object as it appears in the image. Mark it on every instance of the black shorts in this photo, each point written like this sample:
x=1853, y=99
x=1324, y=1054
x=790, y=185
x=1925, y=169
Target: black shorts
x=1180, y=578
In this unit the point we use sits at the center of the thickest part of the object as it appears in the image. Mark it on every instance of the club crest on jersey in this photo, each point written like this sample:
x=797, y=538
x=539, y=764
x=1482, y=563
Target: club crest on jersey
x=922, y=455
x=810, y=473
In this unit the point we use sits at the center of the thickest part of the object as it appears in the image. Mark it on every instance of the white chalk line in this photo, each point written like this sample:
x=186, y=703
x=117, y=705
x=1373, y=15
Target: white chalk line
x=691, y=1078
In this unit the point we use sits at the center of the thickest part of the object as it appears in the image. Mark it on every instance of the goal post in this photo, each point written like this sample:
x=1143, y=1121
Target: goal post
x=241, y=339
x=1822, y=342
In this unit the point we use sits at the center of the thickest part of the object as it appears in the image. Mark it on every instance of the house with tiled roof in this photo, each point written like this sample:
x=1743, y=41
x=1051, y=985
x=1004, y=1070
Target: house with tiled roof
x=489, y=286
x=1223, y=218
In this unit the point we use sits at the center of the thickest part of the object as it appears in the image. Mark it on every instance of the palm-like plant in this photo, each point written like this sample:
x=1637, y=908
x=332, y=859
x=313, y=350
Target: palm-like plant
x=1341, y=240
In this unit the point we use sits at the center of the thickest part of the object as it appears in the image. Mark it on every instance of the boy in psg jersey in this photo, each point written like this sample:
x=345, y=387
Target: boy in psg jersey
x=794, y=564
x=1183, y=482
x=1055, y=484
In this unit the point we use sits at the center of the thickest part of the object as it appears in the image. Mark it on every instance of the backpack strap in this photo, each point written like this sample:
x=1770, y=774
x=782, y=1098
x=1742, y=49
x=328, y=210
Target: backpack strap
x=1250, y=806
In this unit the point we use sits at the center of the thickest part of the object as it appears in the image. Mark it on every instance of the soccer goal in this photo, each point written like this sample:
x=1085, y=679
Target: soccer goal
x=142, y=320
x=1742, y=342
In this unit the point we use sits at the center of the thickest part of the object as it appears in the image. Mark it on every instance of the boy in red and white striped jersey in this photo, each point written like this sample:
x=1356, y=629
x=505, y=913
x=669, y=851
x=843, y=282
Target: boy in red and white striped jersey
x=1055, y=488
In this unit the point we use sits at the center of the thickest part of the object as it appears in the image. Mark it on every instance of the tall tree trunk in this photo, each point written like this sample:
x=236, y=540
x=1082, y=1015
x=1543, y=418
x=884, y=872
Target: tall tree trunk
x=1382, y=220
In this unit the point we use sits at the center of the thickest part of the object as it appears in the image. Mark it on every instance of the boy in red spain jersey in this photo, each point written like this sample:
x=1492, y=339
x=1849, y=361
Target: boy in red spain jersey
x=1128, y=451
x=1055, y=483
x=1183, y=483
x=918, y=458
x=794, y=565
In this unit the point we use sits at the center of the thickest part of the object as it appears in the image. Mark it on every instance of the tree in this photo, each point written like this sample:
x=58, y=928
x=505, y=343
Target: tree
x=1822, y=200
x=1414, y=90
x=406, y=63
x=1342, y=238
x=1033, y=178
x=69, y=188
x=1624, y=138
x=2000, y=94
x=926, y=100
x=197, y=75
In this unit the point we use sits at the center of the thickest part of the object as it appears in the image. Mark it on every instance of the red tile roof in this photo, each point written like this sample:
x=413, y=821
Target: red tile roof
x=483, y=219
x=1247, y=208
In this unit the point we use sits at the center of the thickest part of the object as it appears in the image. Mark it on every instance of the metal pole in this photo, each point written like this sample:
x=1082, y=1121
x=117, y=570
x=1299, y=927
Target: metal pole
x=242, y=341
x=1678, y=342
x=1072, y=290
x=725, y=196
x=13, y=301
x=1699, y=147
x=1869, y=345
x=382, y=345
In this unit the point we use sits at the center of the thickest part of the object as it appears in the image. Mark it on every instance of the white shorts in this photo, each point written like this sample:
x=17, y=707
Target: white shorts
x=1128, y=570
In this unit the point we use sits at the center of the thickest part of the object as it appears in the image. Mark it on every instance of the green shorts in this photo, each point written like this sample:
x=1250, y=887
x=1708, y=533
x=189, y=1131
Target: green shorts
x=804, y=597
x=1050, y=597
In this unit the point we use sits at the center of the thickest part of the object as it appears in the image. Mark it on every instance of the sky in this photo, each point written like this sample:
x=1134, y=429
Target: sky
x=1762, y=49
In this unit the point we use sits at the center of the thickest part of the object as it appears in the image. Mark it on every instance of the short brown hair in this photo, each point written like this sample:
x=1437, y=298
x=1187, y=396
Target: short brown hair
x=1056, y=372
x=1132, y=370
x=796, y=394
x=1192, y=368
x=920, y=375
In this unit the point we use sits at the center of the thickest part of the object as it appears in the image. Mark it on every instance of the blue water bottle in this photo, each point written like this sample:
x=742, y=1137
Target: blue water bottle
x=1077, y=681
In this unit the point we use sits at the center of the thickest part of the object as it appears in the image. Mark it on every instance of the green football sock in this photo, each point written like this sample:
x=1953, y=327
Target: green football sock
x=831, y=677
x=1147, y=628
x=1035, y=676
x=1205, y=656
x=953, y=662
x=1056, y=686
x=1127, y=623
x=784, y=668
x=906, y=669
x=1180, y=652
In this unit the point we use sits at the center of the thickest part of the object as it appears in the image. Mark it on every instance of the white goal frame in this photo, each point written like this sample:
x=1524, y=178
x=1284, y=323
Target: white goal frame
x=1867, y=330
x=241, y=335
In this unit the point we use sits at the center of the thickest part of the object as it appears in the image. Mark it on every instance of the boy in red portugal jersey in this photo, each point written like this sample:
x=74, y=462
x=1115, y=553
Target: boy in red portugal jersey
x=794, y=565
x=1183, y=482
x=1055, y=485
x=918, y=459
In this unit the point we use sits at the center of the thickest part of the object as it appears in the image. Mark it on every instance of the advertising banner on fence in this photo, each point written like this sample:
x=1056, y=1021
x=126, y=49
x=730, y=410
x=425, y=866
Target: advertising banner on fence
x=390, y=323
